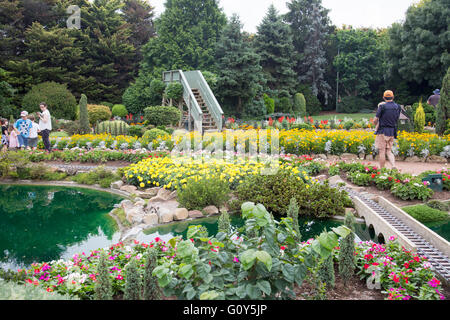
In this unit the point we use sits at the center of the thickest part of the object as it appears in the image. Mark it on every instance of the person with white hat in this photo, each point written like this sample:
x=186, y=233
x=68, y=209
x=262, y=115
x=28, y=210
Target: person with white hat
x=22, y=128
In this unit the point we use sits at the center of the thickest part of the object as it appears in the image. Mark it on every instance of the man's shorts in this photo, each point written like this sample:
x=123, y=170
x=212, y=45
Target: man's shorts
x=32, y=142
x=383, y=142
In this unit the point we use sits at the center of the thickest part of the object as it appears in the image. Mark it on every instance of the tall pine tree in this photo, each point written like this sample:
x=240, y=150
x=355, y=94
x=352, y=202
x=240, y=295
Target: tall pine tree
x=187, y=33
x=239, y=73
x=273, y=42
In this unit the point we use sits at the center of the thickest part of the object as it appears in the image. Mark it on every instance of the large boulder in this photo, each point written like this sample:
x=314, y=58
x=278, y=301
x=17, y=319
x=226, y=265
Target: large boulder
x=166, y=217
x=414, y=159
x=126, y=204
x=117, y=185
x=211, y=210
x=180, y=214
x=128, y=188
x=321, y=156
x=335, y=180
x=151, y=219
x=195, y=214
x=135, y=215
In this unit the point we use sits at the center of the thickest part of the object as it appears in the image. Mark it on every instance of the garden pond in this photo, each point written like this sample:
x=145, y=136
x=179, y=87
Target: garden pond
x=45, y=223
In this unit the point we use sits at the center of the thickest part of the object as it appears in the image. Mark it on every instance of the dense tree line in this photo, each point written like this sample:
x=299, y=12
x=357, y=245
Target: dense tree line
x=120, y=51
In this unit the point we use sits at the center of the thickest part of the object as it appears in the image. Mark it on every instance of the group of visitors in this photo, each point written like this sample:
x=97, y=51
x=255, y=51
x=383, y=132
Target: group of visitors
x=23, y=134
x=386, y=121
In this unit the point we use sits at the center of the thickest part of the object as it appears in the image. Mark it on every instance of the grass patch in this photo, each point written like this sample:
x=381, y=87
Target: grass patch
x=99, y=176
x=343, y=116
x=425, y=214
x=59, y=134
x=120, y=214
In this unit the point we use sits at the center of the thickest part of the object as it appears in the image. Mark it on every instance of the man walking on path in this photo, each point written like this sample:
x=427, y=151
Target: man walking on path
x=387, y=121
x=22, y=128
x=434, y=99
x=45, y=125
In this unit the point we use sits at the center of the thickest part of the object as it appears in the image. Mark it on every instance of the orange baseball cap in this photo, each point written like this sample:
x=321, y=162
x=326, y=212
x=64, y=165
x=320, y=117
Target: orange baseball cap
x=388, y=94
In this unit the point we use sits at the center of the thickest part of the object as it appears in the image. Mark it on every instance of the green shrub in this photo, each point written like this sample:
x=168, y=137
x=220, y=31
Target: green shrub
x=439, y=205
x=443, y=119
x=153, y=134
x=72, y=127
x=269, y=103
x=299, y=107
x=99, y=176
x=108, y=104
x=326, y=272
x=313, y=105
x=197, y=195
x=119, y=110
x=13, y=291
x=347, y=262
x=151, y=287
x=143, y=93
x=103, y=286
x=429, y=110
x=84, y=127
x=98, y=113
x=283, y=103
x=419, y=119
x=276, y=191
x=174, y=90
x=115, y=128
x=60, y=101
x=136, y=131
x=424, y=213
x=162, y=115
x=224, y=222
x=352, y=104
x=305, y=126
x=133, y=281
x=441, y=123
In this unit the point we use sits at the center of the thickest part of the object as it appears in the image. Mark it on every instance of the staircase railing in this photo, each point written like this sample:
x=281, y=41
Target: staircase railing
x=188, y=96
x=197, y=81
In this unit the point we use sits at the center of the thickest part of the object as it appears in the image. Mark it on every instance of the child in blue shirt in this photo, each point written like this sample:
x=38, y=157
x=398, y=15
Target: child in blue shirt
x=22, y=127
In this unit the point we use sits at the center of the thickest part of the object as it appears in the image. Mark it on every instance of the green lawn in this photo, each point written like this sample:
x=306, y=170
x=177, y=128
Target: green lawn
x=343, y=116
x=58, y=134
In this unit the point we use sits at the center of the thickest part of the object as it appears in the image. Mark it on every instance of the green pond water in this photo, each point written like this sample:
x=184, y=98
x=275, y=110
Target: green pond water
x=45, y=223
x=441, y=228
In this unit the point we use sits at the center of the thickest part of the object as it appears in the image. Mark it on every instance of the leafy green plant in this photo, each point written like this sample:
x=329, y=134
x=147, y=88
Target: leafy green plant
x=235, y=266
x=174, y=90
x=197, y=195
x=412, y=190
x=439, y=205
x=100, y=176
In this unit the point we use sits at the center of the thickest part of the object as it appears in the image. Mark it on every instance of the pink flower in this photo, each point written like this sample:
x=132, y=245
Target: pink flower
x=119, y=277
x=236, y=259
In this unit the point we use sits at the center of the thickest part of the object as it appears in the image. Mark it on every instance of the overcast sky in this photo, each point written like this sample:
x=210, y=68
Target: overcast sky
x=358, y=13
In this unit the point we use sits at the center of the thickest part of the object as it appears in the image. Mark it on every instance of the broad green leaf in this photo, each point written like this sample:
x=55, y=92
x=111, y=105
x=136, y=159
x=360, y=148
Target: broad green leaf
x=186, y=271
x=185, y=249
x=264, y=286
x=265, y=258
x=321, y=250
x=160, y=271
x=173, y=242
x=253, y=291
x=288, y=272
x=342, y=231
x=209, y=295
x=329, y=240
x=248, y=258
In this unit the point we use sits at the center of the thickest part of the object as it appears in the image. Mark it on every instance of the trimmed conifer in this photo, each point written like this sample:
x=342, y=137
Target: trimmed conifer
x=151, y=287
x=133, y=281
x=224, y=222
x=326, y=272
x=347, y=263
x=292, y=212
x=103, y=287
x=84, y=116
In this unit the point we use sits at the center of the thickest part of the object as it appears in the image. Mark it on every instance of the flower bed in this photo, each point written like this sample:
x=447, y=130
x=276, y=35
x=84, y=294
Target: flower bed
x=295, y=141
x=403, y=186
x=403, y=275
x=173, y=173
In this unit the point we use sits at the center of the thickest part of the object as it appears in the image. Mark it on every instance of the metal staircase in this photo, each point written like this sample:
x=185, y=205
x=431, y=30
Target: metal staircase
x=202, y=106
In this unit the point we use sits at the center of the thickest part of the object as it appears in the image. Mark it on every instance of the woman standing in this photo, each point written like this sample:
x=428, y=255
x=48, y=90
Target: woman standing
x=45, y=125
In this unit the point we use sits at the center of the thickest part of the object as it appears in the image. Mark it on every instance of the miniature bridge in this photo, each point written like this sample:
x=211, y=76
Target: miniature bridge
x=388, y=220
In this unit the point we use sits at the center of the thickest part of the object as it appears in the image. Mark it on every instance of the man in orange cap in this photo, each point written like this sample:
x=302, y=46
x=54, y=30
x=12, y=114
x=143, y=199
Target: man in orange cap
x=387, y=122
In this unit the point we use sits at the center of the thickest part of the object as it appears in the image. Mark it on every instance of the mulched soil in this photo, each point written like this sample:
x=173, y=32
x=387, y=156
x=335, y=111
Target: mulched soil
x=355, y=290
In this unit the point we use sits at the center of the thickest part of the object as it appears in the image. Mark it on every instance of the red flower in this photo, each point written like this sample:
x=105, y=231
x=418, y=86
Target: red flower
x=416, y=259
x=283, y=248
x=373, y=175
x=366, y=266
x=396, y=279
x=406, y=265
